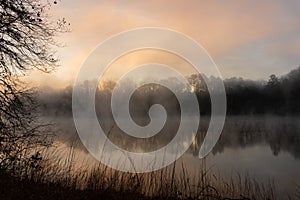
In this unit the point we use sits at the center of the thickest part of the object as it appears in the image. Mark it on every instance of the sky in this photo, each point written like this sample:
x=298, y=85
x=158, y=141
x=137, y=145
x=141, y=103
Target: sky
x=250, y=38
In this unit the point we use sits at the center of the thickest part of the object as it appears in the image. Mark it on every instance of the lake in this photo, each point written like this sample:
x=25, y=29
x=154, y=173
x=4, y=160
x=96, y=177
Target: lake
x=266, y=148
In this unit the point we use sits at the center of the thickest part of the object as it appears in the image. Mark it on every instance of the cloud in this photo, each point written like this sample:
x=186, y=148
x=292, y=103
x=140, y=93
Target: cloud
x=225, y=28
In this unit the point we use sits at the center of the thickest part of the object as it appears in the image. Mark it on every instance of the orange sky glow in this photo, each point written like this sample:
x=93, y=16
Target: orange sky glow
x=250, y=39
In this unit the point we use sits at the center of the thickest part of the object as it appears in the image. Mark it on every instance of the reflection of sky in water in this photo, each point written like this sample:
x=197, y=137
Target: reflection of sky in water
x=259, y=162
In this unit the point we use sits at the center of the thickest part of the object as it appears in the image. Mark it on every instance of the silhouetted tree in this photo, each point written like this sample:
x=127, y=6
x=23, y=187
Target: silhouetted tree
x=274, y=96
x=291, y=87
x=26, y=43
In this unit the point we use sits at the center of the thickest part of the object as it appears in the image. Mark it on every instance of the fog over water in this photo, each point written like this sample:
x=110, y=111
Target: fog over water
x=261, y=135
x=265, y=147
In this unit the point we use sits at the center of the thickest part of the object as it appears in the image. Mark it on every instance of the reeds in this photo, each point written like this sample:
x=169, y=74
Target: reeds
x=61, y=165
x=172, y=182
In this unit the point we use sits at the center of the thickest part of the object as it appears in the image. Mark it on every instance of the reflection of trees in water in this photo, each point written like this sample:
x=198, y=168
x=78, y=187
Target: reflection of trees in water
x=281, y=134
x=278, y=96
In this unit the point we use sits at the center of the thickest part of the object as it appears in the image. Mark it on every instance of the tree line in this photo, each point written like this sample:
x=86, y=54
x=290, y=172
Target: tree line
x=277, y=95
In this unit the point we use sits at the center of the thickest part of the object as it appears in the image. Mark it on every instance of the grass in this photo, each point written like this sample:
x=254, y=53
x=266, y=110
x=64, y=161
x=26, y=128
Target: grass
x=28, y=189
x=59, y=175
x=59, y=178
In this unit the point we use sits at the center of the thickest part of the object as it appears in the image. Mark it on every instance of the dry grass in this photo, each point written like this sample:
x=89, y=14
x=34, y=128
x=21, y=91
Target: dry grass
x=172, y=182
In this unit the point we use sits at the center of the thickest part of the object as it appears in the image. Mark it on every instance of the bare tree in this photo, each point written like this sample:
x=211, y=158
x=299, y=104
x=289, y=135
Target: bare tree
x=26, y=43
